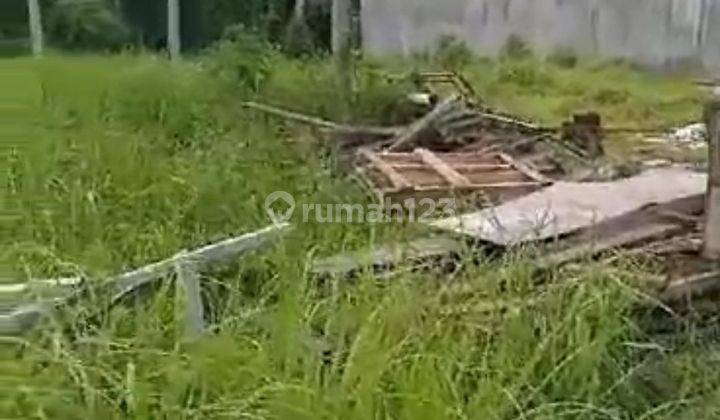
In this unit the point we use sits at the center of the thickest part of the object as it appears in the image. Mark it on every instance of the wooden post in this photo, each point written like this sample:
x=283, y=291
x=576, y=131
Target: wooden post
x=189, y=297
x=173, y=29
x=711, y=248
x=35, y=24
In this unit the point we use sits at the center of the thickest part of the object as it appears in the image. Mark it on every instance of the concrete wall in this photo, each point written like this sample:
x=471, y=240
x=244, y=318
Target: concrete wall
x=661, y=33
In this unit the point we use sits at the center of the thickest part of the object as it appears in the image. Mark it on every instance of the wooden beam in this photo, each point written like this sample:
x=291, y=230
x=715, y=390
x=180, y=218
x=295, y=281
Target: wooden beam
x=319, y=122
x=397, y=180
x=470, y=167
x=189, y=303
x=415, y=131
x=51, y=283
x=711, y=247
x=441, y=167
x=25, y=317
x=526, y=169
x=631, y=237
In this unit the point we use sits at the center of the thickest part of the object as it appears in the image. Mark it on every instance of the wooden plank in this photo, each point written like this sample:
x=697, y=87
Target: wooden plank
x=530, y=172
x=640, y=234
x=567, y=207
x=693, y=286
x=489, y=186
x=189, y=298
x=397, y=180
x=386, y=258
x=411, y=135
x=467, y=167
x=24, y=287
x=25, y=317
x=438, y=165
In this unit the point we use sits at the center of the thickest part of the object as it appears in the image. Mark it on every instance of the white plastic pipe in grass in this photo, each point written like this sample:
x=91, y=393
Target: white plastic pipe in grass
x=35, y=24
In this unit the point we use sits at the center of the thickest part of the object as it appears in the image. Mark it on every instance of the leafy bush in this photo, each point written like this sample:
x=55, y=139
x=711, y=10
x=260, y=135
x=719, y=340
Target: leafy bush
x=452, y=53
x=527, y=74
x=87, y=24
x=241, y=59
x=298, y=39
x=563, y=57
x=515, y=48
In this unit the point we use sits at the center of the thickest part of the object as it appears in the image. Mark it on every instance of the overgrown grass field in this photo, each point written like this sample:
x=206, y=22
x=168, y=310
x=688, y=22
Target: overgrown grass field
x=112, y=162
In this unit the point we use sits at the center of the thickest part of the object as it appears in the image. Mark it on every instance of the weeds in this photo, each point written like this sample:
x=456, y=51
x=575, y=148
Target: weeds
x=120, y=161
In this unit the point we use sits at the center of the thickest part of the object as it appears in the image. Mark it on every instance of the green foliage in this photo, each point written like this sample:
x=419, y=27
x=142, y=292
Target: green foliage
x=516, y=48
x=526, y=74
x=13, y=19
x=452, y=53
x=242, y=59
x=85, y=25
x=119, y=161
x=564, y=58
x=298, y=41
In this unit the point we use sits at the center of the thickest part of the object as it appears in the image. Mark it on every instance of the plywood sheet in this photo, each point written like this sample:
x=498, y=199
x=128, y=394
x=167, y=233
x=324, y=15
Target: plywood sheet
x=567, y=207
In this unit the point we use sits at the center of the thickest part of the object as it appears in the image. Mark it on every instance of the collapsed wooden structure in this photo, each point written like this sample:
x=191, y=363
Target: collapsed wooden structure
x=185, y=266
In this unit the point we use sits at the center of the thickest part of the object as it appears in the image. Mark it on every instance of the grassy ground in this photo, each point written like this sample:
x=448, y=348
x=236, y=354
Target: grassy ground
x=113, y=162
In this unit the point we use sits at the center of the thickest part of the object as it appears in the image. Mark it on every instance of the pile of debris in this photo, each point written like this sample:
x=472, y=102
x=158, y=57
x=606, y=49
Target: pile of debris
x=460, y=148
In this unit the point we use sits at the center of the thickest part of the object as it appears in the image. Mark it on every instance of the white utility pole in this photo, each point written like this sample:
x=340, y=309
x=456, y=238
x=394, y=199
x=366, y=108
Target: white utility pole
x=36, y=30
x=341, y=25
x=173, y=29
x=342, y=49
x=711, y=248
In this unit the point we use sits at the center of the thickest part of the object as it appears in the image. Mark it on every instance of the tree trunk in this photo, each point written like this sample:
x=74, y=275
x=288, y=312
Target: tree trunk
x=711, y=249
x=173, y=30
x=36, y=30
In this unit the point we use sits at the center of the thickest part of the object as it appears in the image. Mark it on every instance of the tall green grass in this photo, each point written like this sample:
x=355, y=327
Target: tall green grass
x=114, y=162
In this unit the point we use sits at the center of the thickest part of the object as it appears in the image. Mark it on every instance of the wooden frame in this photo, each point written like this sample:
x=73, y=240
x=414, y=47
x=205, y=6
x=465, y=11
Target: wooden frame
x=396, y=177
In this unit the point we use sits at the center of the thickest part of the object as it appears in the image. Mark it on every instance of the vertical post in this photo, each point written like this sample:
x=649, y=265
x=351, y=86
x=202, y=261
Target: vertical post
x=189, y=298
x=173, y=29
x=711, y=248
x=36, y=30
x=341, y=25
x=342, y=48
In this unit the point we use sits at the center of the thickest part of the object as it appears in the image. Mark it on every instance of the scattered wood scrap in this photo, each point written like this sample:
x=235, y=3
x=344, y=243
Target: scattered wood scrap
x=186, y=265
x=319, y=122
x=397, y=177
x=566, y=207
x=434, y=251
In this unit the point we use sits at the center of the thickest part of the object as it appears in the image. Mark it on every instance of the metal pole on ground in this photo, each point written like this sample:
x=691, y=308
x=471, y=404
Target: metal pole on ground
x=711, y=247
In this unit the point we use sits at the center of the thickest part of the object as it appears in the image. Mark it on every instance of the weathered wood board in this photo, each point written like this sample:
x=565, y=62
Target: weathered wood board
x=567, y=207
